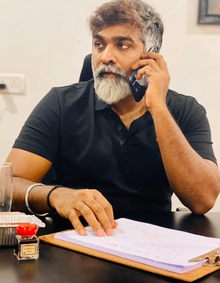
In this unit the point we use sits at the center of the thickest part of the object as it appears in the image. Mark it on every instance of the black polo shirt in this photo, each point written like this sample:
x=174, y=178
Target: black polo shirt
x=90, y=147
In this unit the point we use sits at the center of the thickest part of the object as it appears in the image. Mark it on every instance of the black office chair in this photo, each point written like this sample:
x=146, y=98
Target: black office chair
x=86, y=72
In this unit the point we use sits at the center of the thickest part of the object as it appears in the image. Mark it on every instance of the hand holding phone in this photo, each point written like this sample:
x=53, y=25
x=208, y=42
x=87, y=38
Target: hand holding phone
x=139, y=87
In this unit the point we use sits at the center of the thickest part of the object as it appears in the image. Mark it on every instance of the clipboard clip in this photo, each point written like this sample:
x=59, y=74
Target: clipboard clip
x=213, y=258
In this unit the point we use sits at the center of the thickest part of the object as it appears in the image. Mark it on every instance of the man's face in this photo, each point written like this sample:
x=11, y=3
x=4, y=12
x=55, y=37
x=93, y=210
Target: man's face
x=115, y=50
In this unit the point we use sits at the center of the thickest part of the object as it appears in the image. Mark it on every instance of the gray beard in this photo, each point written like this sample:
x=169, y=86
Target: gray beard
x=111, y=90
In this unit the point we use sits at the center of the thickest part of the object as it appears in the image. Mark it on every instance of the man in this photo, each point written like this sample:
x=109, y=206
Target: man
x=111, y=153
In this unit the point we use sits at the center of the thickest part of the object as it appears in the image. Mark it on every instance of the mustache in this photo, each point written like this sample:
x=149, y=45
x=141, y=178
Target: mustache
x=110, y=68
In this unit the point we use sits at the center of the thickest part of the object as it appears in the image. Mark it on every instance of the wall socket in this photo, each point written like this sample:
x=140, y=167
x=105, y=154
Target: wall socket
x=15, y=83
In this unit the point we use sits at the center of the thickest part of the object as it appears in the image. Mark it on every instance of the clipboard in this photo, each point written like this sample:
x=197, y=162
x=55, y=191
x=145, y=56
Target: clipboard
x=189, y=276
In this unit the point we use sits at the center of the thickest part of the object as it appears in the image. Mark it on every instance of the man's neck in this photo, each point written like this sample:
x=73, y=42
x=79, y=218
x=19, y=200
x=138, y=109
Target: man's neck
x=129, y=110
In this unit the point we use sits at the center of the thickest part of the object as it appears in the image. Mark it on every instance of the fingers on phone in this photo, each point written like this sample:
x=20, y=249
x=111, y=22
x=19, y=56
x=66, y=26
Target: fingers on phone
x=157, y=58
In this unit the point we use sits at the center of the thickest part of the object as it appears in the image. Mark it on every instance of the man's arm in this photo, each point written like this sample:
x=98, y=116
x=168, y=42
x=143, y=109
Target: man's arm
x=29, y=168
x=194, y=180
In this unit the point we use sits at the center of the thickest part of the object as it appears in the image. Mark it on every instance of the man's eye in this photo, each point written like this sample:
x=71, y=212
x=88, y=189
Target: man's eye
x=98, y=45
x=123, y=46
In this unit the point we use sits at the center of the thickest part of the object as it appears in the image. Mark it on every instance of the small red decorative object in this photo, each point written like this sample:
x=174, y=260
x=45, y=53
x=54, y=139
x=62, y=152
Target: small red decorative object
x=27, y=229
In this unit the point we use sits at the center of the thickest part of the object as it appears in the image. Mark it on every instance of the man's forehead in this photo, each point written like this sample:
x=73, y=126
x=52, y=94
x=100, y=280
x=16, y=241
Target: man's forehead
x=119, y=33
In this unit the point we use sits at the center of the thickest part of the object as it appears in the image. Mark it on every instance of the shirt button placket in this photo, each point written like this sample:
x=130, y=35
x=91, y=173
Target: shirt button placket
x=120, y=135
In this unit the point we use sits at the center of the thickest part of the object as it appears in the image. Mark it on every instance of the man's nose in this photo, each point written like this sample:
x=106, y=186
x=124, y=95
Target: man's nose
x=108, y=55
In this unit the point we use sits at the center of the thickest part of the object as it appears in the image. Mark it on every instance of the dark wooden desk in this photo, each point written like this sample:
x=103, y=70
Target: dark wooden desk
x=60, y=265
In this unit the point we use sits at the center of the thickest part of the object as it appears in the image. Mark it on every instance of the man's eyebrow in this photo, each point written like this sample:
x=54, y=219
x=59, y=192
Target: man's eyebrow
x=98, y=36
x=115, y=38
x=123, y=38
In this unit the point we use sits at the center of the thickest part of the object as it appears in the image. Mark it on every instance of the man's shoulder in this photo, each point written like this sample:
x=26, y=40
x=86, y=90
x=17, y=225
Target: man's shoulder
x=63, y=97
x=74, y=89
x=177, y=100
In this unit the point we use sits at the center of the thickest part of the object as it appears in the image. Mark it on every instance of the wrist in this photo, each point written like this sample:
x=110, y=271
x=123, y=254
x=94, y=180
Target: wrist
x=160, y=109
x=49, y=194
x=53, y=196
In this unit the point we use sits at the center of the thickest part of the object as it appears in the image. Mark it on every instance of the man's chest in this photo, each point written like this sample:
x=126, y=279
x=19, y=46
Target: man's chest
x=102, y=147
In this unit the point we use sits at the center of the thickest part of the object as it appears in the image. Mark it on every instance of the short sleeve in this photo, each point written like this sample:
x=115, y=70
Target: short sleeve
x=40, y=133
x=192, y=119
x=198, y=134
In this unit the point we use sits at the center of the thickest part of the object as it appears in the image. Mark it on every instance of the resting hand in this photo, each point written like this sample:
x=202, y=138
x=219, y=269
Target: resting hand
x=91, y=204
x=154, y=66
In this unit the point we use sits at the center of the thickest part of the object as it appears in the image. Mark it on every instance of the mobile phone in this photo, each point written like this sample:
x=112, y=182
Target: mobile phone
x=138, y=87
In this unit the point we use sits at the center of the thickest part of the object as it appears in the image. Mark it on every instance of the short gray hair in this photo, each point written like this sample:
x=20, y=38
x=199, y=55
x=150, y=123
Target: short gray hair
x=134, y=12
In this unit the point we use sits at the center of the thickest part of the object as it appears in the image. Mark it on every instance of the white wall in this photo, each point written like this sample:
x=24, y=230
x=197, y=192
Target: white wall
x=47, y=40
